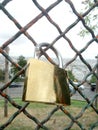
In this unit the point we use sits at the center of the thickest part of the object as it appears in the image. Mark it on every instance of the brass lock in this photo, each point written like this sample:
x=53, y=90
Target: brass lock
x=45, y=82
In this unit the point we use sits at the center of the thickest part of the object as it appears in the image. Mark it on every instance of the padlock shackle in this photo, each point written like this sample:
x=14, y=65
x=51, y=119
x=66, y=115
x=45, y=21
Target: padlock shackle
x=38, y=52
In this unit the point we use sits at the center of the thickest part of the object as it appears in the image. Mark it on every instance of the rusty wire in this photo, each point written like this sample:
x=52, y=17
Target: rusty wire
x=62, y=34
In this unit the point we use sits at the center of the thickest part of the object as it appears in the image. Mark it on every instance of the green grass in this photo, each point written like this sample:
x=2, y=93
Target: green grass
x=40, y=111
x=74, y=103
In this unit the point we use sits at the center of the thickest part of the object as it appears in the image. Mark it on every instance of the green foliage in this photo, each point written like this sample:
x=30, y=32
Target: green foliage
x=22, y=62
x=93, y=79
x=70, y=75
x=90, y=19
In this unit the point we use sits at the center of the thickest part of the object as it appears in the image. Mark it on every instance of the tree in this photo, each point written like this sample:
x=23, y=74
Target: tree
x=93, y=79
x=70, y=75
x=91, y=18
x=22, y=62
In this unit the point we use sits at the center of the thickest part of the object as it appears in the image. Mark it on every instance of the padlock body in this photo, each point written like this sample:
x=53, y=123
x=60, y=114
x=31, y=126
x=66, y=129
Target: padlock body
x=45, y=82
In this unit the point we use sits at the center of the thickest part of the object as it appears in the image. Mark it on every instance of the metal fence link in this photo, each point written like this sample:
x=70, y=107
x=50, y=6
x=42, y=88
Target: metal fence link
x=44, y=12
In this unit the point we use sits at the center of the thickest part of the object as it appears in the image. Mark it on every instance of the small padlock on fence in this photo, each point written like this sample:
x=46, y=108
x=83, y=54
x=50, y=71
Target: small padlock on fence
x=45, y=82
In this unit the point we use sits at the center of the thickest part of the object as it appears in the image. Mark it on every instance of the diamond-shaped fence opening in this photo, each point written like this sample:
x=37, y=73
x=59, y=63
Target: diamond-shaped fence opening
x=71, y=27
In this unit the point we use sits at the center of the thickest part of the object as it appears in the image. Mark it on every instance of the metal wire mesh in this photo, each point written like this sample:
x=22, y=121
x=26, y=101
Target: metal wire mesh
x=73, y=119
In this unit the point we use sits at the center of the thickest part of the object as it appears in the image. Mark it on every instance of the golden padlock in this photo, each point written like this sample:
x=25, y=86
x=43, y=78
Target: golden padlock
x=45, y=82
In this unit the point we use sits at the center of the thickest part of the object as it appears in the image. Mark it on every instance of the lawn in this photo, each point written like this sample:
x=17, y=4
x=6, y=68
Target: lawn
x=58, y=121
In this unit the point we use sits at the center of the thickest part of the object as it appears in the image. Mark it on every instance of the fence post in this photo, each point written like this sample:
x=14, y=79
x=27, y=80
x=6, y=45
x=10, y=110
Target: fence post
x=6, y=80
x=96, y=101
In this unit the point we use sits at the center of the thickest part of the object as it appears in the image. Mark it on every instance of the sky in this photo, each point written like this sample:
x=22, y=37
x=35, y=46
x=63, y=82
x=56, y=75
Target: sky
x=42, y=31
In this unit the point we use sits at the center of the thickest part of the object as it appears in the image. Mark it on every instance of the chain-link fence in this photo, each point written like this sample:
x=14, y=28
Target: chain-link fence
x=71, y=116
